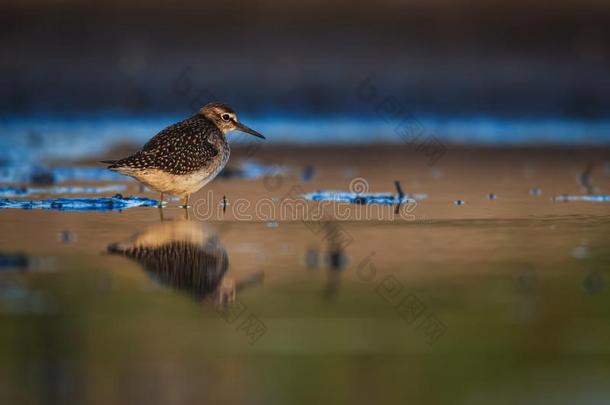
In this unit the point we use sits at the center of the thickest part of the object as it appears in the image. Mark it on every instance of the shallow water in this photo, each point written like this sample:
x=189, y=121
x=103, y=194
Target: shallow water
x=500, y=300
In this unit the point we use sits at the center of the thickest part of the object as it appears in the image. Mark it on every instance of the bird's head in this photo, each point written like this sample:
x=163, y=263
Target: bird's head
x=225, y=119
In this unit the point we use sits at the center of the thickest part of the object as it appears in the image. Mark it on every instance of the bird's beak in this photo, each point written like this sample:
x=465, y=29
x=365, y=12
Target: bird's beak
x=241, y=127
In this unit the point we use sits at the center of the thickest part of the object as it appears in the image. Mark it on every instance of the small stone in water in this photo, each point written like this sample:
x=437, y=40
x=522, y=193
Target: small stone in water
x=308, y=173
x=66, y=236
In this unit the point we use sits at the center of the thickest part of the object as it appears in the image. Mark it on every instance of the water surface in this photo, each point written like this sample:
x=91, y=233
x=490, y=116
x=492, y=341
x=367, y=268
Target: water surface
x=500, y=300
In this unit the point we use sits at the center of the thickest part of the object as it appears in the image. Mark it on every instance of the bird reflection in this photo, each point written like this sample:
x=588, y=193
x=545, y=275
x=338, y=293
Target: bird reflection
x=185, y=256
x=335, y=261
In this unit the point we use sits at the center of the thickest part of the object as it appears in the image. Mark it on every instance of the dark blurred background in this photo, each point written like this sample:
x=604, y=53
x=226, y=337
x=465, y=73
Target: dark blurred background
x=503, y=58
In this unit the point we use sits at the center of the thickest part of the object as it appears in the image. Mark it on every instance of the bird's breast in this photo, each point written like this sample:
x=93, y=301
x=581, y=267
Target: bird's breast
x=224, y=152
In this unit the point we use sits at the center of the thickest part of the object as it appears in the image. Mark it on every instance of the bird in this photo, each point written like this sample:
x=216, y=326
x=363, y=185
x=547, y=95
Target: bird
x=185, y=156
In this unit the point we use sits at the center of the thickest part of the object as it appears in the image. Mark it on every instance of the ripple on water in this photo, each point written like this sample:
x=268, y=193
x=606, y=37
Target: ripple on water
x=47, y=176
x=363, y=198
x=590, y=198
x=11, y=191
x=115, y=203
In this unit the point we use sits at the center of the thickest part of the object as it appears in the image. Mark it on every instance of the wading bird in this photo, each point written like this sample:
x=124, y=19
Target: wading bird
x=185, y=156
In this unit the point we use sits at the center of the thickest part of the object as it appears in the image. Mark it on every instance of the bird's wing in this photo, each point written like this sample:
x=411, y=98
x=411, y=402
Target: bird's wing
x=180, y=148
x=179, y=135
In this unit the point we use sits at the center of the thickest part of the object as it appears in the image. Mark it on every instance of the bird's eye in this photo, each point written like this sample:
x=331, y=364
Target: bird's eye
x=225, y=117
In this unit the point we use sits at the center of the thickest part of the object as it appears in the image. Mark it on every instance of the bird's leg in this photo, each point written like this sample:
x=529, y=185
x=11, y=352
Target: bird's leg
x=186, y=202
x=160, y=206
x=186, y=207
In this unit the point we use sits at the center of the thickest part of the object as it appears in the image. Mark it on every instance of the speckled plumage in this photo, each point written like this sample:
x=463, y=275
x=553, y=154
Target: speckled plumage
x=180, y=149
x=187, y=155
x=185, y=256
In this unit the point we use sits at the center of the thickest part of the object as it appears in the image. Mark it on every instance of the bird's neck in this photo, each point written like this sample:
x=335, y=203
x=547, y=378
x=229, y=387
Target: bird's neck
x=219, y=140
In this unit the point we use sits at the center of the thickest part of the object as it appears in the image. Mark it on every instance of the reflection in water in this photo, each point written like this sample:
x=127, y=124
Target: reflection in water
x=527, y=281
x=593, y=282
x=527, y=308
x=183, y=255
x=335, y=260
x=13, y=261
x=311, y=258
x=19, y=262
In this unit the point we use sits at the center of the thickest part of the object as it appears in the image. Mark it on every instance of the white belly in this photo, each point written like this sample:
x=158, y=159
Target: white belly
x=179, y=184
x=175, y=184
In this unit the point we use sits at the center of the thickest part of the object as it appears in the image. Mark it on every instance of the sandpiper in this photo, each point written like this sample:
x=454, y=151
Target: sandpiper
x=185, y=156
